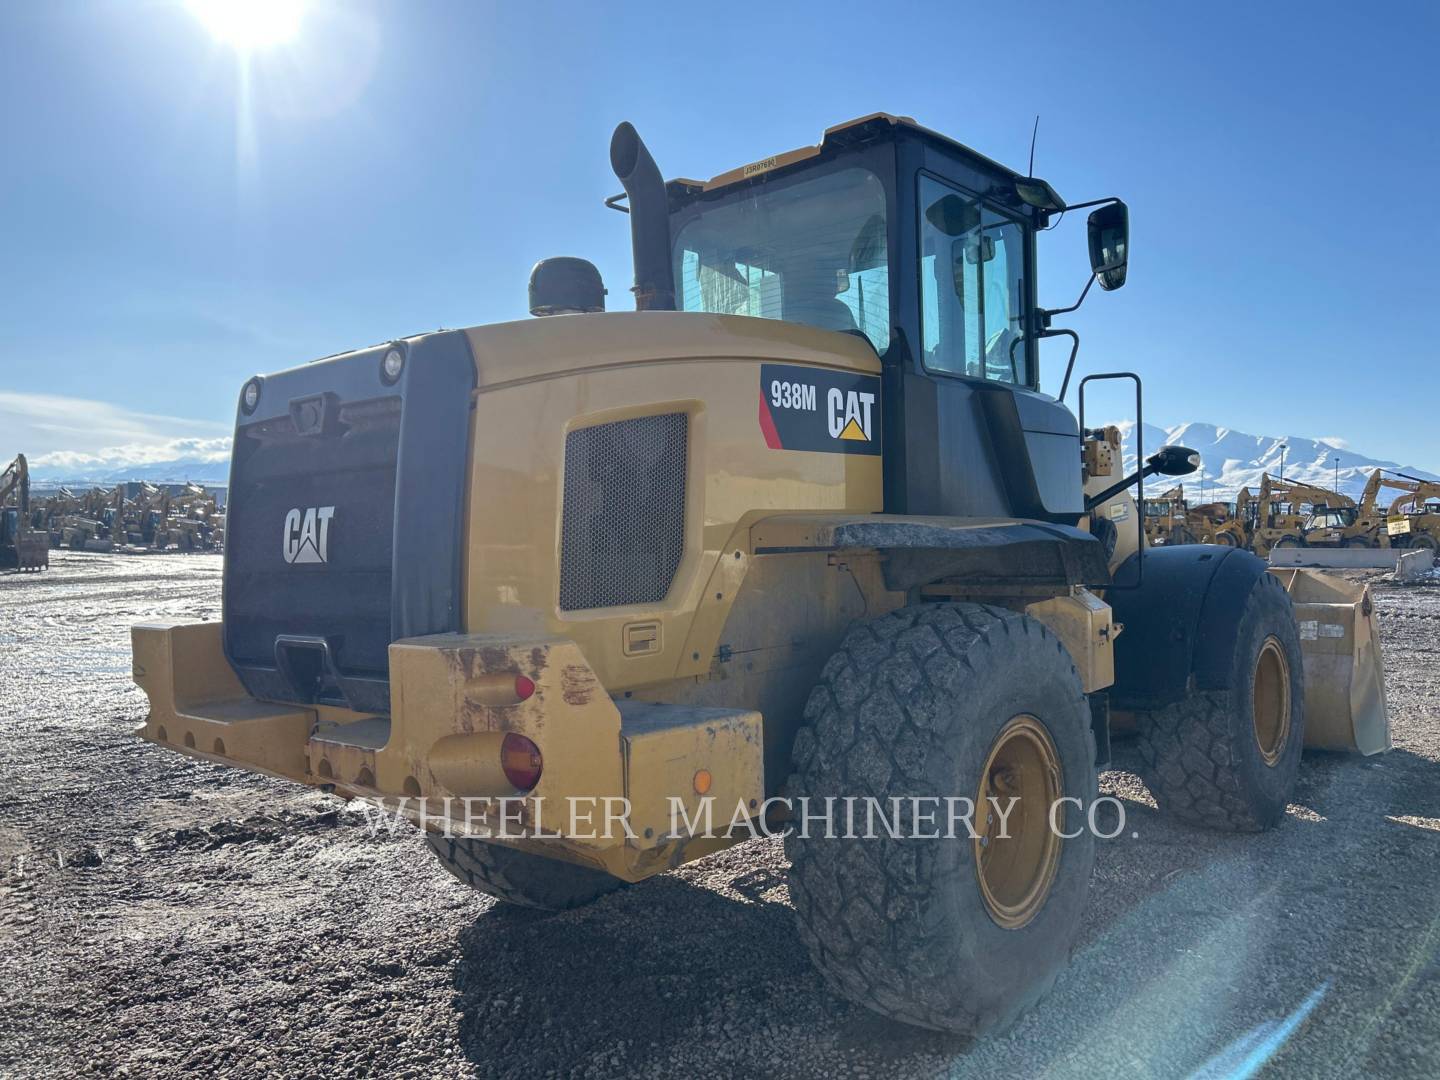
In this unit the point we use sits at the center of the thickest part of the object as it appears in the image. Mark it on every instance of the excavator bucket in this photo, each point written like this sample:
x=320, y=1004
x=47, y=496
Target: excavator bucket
x=1344, y=679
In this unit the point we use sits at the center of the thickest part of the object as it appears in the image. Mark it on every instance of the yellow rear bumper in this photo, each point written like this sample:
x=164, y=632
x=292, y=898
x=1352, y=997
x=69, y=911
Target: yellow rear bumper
x=436, y=758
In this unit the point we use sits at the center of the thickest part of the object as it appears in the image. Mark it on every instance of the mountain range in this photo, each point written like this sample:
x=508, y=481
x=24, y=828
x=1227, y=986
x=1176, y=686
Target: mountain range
x=1230, y=460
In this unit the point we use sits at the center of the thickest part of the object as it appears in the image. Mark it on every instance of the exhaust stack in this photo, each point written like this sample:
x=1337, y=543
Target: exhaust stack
x=649, y=219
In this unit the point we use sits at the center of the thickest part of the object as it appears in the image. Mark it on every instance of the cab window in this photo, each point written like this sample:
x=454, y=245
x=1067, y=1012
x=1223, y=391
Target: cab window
x=814, y=252
x=972, y=286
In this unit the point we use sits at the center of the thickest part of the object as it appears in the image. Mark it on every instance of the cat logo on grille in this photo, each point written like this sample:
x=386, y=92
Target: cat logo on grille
x=307, y=534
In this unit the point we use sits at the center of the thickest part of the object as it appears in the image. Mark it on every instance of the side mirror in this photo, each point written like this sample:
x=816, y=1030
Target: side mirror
x=1109, y=229
x=1173, y=461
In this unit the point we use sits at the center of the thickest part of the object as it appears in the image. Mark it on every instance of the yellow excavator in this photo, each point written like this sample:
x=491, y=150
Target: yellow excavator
x=1280, y=513
x=1351, y=526
x=186, y=520
x=21, y=546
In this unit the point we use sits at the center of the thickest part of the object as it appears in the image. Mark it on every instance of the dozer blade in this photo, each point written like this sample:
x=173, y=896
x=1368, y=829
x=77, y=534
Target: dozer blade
x=1344, y=677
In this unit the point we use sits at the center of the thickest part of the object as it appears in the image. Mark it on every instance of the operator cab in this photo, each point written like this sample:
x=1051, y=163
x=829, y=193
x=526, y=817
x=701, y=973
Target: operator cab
x=1331, y=517
x=921, y=247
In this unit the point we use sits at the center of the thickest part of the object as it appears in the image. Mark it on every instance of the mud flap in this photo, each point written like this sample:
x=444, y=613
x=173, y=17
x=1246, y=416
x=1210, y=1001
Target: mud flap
x=1344, y=678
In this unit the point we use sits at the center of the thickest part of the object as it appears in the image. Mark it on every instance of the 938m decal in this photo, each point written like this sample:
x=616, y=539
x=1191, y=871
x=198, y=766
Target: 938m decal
x=833, y=412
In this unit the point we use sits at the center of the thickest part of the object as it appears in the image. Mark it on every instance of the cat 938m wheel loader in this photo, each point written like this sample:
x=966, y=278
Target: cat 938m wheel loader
x=799, y=545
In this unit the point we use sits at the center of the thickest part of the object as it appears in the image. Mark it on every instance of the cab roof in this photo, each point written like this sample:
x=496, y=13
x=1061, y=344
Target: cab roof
x=878, y=125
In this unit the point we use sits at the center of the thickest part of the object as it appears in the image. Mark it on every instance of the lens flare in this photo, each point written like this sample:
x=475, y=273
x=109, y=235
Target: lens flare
x=249, y=24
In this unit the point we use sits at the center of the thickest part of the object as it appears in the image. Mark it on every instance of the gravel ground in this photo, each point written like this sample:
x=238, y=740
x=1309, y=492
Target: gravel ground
x=160, y=916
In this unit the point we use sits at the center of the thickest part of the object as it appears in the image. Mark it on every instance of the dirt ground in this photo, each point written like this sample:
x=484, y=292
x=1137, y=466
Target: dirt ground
x=161, y=916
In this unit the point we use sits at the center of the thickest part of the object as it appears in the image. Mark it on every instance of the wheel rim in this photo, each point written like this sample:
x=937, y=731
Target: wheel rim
x=1016, y=871
x=1271, y=707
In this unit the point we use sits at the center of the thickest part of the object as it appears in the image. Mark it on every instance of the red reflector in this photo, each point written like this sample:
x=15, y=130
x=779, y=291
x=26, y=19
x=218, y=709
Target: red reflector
x=524, y=687
x=520, y=758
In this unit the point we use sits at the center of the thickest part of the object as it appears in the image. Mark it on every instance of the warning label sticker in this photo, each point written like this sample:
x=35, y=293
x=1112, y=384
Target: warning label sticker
x=832, y=412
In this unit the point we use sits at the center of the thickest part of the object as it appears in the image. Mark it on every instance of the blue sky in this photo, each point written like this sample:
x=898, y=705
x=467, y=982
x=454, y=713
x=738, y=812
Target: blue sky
x=175, y=221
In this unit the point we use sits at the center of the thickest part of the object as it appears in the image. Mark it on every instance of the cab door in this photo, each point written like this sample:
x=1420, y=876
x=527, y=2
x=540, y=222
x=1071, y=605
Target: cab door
x=1002, y=448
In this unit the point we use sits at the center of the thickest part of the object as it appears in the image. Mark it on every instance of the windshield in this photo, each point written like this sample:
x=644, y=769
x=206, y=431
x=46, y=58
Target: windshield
x=1331, y=517
x=811, y=252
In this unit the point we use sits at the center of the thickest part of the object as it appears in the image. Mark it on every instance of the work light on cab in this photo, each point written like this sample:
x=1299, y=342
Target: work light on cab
x=392, y=366
x=250, y=396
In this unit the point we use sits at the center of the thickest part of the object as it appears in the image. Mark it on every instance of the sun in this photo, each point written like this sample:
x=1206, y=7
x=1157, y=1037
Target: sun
x=249, y=24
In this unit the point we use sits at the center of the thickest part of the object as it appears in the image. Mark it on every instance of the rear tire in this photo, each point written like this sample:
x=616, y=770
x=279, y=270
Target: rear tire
x=937, y=701
x=517, y=877
x=1424, y=540
x=1226, y=539
x=1288, y=542
x=1228, y=759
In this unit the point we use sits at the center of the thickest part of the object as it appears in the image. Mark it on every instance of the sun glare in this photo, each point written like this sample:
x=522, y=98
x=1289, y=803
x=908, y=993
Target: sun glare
x=249, y=24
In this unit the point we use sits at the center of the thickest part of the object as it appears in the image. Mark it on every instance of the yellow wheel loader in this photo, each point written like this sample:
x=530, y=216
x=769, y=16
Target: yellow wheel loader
x=1167, y=519
x=1218, y=522
x=797, y=547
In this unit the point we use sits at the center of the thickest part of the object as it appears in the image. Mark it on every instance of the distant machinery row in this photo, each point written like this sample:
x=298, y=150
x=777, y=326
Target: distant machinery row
x=1288, y=513
x=133, y=517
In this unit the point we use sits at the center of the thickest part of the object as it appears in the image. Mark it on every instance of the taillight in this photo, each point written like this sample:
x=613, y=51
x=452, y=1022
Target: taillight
x=524, y=687
x=520, y=759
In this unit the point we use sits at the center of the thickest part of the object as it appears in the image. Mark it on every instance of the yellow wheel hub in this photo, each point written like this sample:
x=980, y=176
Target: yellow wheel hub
x=1016, y=870
x=1271, y=705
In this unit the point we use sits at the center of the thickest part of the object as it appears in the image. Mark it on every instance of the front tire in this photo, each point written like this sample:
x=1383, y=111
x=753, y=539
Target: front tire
x=932, y=702
x=518, y=877
x=1228, y=759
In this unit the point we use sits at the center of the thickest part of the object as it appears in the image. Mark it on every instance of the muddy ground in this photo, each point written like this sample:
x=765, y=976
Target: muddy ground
x=161, y=916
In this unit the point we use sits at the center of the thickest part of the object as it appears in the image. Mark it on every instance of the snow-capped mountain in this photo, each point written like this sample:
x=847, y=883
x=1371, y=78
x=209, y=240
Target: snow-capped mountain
x=1230, y=460
x=103, y=473
x=1233, y=459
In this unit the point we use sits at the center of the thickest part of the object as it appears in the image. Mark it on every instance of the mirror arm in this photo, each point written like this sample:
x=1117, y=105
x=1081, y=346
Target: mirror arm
x=1109, y=493
x=1093, y=202
x=1047, y=313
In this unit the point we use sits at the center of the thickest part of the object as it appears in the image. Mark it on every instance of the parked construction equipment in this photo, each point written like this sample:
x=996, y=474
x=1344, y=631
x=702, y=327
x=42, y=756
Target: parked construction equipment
x=1354, y=526
x=21, y=546
x=1414, y=518
x=153, y=518
x=1278, y=516
x=799, y=534
x=1167, y=519
x=1219, y=522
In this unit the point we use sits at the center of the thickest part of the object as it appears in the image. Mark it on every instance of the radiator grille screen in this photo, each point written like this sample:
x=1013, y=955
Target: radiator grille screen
x=622, y=528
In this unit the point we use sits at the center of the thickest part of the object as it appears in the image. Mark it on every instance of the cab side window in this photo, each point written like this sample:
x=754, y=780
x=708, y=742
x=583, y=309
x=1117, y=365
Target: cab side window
x=972, y=286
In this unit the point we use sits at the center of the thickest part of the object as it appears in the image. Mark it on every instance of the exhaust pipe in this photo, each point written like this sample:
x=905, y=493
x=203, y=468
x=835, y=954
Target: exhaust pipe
x=649, y=220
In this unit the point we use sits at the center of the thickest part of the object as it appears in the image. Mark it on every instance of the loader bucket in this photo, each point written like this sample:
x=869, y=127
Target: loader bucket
x=1344, y=679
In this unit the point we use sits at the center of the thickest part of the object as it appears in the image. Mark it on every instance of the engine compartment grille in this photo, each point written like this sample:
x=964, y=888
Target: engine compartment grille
x=622, y=530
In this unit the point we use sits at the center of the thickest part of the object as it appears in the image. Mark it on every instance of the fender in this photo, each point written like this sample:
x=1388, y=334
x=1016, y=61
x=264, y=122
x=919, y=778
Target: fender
x=920, y=550
x=1162, y=649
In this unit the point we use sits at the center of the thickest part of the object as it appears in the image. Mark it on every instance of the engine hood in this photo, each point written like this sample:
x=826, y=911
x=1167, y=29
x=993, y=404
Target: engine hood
x=535, y=349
